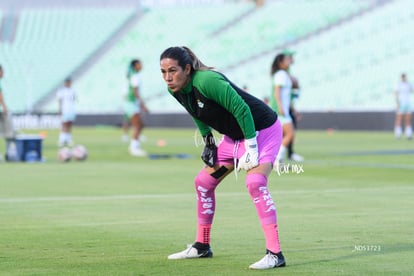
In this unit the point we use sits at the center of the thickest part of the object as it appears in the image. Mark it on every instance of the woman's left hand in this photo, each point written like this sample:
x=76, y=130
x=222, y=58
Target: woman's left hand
x=250, y=158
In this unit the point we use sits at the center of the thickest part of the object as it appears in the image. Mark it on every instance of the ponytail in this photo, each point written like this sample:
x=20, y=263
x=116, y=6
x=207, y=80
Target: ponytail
x=183, y=55
x=197, y=64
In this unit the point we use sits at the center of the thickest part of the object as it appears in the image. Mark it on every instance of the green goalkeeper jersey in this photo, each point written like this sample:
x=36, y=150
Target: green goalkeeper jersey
x=215, y=102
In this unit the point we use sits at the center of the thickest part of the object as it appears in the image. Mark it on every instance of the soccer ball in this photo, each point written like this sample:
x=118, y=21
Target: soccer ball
x=64, y=154
x=79, y=152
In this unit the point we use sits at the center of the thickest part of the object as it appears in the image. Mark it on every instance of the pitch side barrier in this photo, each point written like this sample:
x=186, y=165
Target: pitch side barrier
x=52, y=121
x=379, y=121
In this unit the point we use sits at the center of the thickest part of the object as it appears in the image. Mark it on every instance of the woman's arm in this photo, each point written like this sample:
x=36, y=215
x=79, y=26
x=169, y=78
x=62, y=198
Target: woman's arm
x=276, y=94
x=215, y=87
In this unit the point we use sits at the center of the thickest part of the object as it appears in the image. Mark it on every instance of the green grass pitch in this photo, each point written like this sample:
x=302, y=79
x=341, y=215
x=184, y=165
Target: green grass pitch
x=349, y=212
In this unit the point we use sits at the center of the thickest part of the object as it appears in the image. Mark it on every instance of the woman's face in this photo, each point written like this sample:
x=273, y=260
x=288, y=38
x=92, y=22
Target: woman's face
x=138, y=66
x=174, y=76
x=285, y=63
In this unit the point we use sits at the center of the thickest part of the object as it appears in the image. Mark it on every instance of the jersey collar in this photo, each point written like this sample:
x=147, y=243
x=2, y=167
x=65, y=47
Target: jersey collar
x=189, y=87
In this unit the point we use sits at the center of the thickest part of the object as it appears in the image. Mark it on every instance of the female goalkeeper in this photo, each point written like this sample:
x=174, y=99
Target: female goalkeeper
x=251, y=139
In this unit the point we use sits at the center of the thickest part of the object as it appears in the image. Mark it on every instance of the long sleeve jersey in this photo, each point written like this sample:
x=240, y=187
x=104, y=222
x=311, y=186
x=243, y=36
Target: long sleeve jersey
x=215, y=102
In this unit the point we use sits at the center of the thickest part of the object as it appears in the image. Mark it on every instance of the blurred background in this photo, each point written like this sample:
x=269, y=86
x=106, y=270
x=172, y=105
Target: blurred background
x=349, y=54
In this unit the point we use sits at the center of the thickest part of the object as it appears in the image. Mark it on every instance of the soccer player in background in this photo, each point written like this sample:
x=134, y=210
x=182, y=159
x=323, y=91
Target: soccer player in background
x=251, y=138
x=292, y=111
x=6, y=127
x=66, y=97
x=280, y=100
x=403, y=98
x=134, y=105
x=2, y=101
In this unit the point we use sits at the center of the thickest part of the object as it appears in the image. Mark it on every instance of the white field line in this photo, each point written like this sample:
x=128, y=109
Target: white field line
x=192, y=195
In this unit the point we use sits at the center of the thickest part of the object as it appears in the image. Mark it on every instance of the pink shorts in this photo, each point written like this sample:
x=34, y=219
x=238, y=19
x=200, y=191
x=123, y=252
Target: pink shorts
x=268, y=140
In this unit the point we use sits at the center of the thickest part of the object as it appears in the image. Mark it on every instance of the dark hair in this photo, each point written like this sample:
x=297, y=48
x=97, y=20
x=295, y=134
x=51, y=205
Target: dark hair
x=134, y=62
x=276, y=63
x=131, y=66
x=183, y=55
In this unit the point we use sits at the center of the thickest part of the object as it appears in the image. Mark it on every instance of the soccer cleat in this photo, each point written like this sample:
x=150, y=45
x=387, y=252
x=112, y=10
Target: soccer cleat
x=137, y=152
x=408, y=133
x=269, y=261
x=397, y=132
x=191, y=253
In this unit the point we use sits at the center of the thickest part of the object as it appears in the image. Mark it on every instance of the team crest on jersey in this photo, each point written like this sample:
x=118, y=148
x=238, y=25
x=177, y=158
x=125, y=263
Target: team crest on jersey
x=200, y=103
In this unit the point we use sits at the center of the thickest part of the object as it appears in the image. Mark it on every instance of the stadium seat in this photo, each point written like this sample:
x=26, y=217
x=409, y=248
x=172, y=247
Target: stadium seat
x=353, y=66
x=147, y=44
x=350, y=66
x=49, y=45
x=227, y=44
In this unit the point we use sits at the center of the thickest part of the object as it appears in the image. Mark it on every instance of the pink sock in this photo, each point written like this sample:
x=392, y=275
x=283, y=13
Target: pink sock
x=205, y=186
x=203, y=233
x=272, y=237
x=266, y=210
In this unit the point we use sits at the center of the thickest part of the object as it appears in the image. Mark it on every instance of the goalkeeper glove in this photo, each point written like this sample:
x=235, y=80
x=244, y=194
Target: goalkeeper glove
x=209, y=155
x=250, y=158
